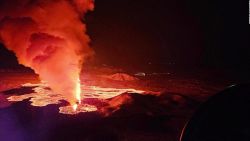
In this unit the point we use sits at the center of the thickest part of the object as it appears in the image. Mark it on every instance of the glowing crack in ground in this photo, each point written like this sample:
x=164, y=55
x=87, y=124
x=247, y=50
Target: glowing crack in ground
x=44, y=96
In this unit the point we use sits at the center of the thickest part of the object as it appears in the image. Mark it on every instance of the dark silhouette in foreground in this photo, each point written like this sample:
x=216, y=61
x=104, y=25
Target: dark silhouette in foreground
x=224, y=117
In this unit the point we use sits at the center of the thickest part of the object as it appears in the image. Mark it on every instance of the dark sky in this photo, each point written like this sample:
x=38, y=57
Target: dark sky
x=185, y=32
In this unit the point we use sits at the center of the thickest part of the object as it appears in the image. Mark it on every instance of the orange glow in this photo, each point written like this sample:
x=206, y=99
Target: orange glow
x=78, y=91
x=74, y=107
x=51, y=42
x=81, y=108
x=43, y=96
x=78, y=95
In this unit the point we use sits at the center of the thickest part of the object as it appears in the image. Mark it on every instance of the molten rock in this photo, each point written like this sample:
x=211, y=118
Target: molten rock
x=43, y=96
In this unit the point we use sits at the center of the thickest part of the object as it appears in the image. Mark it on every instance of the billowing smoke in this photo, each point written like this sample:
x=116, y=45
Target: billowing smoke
x=49, y=37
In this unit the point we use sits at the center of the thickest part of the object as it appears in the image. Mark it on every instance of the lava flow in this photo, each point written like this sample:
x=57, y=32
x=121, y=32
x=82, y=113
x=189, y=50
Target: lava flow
x=43, y=96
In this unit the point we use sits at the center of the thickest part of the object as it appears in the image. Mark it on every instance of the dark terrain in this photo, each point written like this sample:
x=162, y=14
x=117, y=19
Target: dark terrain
x=158, y=115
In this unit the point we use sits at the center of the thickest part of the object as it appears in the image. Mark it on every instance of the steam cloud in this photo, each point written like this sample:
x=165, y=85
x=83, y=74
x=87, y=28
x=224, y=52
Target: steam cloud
x=49, y=37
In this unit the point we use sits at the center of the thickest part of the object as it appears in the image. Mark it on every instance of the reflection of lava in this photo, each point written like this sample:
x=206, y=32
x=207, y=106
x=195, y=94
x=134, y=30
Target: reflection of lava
x=43, y=96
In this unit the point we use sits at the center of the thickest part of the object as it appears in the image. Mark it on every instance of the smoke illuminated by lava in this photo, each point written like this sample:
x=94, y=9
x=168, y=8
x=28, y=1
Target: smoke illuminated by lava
x=49, y=37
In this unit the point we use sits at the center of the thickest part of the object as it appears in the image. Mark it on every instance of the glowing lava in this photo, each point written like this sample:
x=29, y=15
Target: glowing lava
x=78, y=95
x=78, y=91
x=75, y=107
x=43, y=96
x=81, y=108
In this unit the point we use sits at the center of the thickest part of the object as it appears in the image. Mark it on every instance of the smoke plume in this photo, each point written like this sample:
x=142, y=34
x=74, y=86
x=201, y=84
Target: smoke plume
x=49, y=37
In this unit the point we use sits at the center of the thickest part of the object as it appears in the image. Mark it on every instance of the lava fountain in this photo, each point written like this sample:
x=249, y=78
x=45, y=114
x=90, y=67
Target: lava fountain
x=49, y=37
x=78, y=94
x=78, y=91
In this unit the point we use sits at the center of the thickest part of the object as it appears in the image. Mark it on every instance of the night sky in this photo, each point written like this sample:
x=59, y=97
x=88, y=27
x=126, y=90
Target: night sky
x=195, y=33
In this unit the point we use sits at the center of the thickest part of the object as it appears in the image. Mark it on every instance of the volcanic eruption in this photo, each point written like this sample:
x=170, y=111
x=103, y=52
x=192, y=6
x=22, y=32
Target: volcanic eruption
x=49, y=37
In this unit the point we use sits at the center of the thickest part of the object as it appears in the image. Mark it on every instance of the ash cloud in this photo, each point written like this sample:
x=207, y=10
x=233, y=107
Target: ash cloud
x=49, y=37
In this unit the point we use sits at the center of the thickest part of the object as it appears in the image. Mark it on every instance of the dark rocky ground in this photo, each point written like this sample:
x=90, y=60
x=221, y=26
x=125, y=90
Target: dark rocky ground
x=127, y=117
